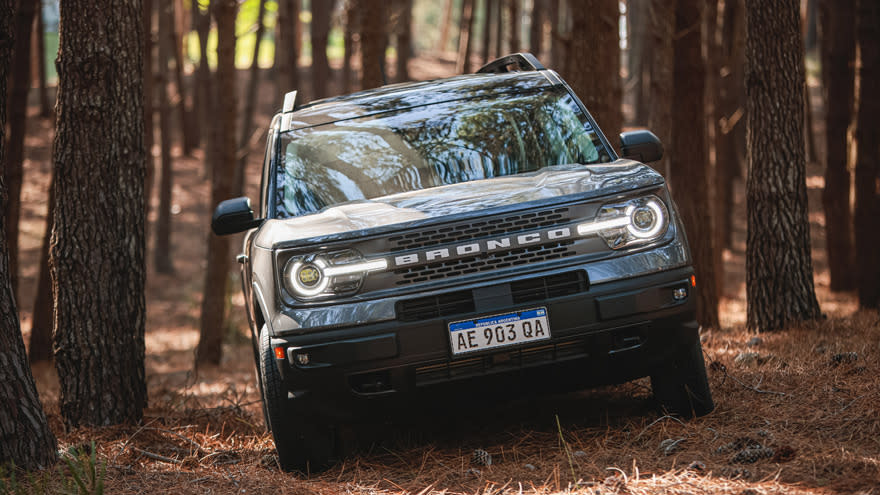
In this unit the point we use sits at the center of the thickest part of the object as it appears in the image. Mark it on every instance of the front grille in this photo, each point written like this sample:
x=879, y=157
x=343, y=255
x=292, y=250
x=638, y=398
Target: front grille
x=474, y=230
x=522, y=291
x=522, y=357
x=494, y=261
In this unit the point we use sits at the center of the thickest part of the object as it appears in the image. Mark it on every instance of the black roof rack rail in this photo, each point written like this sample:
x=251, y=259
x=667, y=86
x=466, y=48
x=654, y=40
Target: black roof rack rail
x=512, y=63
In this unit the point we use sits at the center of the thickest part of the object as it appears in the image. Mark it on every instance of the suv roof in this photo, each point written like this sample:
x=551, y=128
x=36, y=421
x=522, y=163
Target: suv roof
x=414, y=94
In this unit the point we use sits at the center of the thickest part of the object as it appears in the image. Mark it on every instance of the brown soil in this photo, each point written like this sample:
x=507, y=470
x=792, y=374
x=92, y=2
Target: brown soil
x=808, y=395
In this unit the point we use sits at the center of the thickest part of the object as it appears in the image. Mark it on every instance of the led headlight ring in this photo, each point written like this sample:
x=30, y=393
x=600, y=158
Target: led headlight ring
x=656, y=219
x=307, y=278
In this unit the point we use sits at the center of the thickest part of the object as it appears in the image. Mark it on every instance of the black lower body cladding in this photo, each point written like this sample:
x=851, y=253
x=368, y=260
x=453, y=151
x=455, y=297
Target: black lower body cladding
x=602, y=334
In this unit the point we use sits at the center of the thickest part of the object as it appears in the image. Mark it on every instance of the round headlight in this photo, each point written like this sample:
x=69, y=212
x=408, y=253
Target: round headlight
x=307, y=278
x=646, y=220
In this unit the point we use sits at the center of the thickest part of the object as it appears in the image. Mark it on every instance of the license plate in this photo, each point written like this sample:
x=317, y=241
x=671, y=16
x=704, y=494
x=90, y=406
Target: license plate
x=489, y=332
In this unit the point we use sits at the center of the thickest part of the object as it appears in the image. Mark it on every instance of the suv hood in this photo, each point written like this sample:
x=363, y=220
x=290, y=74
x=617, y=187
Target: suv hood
x=584, y=181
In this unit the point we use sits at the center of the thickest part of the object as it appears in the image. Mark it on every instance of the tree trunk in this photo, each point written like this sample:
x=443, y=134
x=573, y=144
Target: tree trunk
x=658, y=74
x=150, y=174
x=373, y=42
x=46, y=110
x=689, y=177
x=463, y=66
x=41, y=323
x=404, y=40
x=204, y=85
x=838, y=62
x=189, y=141
x=637, y=14
x=20, y=83
x=445, y=23
x=162, y=252
x=487, y=30
x=731, y=125
x=536, y=30
x=250, y=104
x=25, y=438
x=513, y=10
x=779, y=273
x=595, y=73
x=352, y=23
x=97, y=252
x=320, y=30
x=867, y=135
x=210, y=348
x=557, y=37
x=288, y=44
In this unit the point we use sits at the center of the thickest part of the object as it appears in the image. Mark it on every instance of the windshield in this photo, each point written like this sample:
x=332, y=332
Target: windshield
x=428, y=146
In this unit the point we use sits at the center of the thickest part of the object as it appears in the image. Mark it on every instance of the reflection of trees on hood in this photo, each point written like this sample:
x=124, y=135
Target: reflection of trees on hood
x=429, y=146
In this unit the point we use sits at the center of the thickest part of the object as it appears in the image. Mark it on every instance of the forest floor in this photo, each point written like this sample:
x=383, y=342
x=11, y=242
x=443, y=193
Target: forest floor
x=798, y=411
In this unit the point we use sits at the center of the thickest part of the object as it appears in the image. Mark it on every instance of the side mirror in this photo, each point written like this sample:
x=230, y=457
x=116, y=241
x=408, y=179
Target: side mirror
x=233, y=216
x=642, y=146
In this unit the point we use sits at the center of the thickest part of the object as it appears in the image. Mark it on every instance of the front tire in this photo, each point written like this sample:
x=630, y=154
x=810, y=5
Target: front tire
x=302, y=445
x=681, y=386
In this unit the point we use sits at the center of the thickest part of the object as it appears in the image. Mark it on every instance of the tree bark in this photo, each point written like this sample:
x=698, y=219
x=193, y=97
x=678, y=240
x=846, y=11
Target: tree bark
x=463, y=66
x=557, y=37
x=320, y=30
x=189, y=141
x=513, y=10
x=689, y=177
x=41, y=323
x=210, y=348
x=595, y=73
x=46, y=110
x=487, y=30
x=18, y=95
x=838, y=61
x=658, y=74
x=25, y=438
x=637, y=15
x=97, y=251
x=148, y=105
x=731, y=125
x=867, y=135
x=204, y=85
x=250, y=105
x=373, y=42
x=445, y=24
x=162, y=251
x=404, y=40
x=536, y=30
x=352, y=25
x=779, y=273
x=288, y=44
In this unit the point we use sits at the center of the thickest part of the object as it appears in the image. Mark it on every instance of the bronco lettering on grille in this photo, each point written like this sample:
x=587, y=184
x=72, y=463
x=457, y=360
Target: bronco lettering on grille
x=483, y=246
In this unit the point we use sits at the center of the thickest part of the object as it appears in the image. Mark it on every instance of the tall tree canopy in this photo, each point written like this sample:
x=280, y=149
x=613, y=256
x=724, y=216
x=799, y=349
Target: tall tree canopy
x=97, y=253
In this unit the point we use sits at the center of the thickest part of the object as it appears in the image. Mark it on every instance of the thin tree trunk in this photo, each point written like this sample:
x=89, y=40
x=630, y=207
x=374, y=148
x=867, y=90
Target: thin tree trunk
x=487, y=30
x=711, y=57
x=288, y=44
x=204, y=85
x=404, y=40
x=658, y=70
x=27, y=441
x=536, y=30
x=513, y=10
x=779, y=273
x=499, y=28
x=352, y=23
x=595, y=37
x=463, y=66
x=46, y=110
x=210, y=347
x=162, y=255
x=18, y=95
x=97, y=250
x=41, y=323
x=199, y=97
x=689, y=177
x=250, y=105
x=637, y=13
x=150, y=174
x=867, y=135
x=445, y=23
x=838, y=61
x=189, y=140
x=557, y=37
x=373, y=41
x=728, y=157
x=320, y=30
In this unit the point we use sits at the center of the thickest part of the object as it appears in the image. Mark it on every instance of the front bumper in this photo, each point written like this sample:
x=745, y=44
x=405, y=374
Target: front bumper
x=601, y=334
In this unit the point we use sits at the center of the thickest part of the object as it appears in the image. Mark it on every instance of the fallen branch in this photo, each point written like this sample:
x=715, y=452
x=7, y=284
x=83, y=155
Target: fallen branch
x=157, y=457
